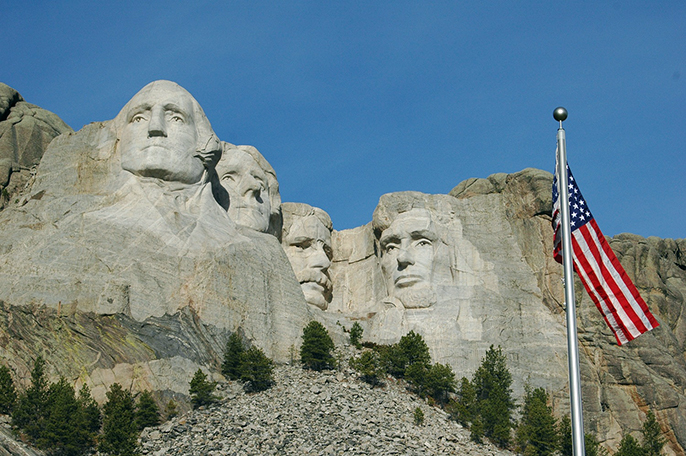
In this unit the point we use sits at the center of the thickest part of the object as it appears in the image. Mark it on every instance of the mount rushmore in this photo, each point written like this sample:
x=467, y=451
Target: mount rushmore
x=133, y=248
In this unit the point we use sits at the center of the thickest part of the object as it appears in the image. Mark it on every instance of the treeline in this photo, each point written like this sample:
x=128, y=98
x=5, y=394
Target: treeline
x=57, y=419
x=485, y=403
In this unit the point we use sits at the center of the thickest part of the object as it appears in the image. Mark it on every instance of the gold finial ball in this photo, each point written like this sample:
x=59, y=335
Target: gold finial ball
x=560, y=114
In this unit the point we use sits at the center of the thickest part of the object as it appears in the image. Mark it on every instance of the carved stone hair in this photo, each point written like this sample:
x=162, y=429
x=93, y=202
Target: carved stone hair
x=208, y=146
x=293, y=211
x=393, y=204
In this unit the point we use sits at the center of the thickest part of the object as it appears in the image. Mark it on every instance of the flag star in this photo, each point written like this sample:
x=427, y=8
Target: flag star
x=572, y=223
x=576, y=206
x=588, y=214
x=582, y=202
x=570, y=186
x=582, y=217
x=574, y=214
x=576, y=190
x=571, y=178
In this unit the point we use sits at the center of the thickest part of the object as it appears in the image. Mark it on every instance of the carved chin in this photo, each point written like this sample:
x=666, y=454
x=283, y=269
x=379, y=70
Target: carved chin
x=315, y=294
x=416, y=297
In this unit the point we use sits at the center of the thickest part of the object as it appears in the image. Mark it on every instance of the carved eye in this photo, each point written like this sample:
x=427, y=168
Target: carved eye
x=176, y=118
x=137, y=118
x=390, y=248
x=424, y=243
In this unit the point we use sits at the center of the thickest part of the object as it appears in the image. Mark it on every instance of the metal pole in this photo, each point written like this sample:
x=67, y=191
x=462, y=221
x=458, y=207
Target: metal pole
x=560, y=114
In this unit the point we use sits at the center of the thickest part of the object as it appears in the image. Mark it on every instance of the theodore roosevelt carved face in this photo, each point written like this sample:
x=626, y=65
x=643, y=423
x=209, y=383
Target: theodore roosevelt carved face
x=164, y=134
x=254, y=199
x=407, y=252
x=306, y=239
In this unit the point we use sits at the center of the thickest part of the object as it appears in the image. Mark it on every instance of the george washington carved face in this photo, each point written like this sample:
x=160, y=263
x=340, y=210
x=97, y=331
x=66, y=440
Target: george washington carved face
x=163, y=133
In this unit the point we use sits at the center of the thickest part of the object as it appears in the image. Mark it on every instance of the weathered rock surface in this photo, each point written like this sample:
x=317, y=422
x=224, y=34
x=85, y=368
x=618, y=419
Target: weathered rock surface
x=308, y=413
x=511, y=295
x=25, y=132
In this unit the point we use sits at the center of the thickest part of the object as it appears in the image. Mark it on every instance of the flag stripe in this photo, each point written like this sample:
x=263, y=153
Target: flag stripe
x=603, y=276
x=637, y=307
x=600, y=287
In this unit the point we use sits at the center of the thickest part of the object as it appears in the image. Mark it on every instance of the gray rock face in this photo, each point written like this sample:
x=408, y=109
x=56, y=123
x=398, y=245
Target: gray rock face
x=506, y=290
x=121, y=220
x=120, y=261
x=25, y=132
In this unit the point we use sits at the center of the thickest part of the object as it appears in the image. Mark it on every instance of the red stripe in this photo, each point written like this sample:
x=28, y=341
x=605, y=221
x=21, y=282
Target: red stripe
x=596, y=289
x=628, y=283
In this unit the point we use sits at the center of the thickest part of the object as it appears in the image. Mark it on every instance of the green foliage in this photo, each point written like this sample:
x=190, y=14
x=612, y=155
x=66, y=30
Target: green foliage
x=368, y=365
x=591, y=443
x=629, y=447
x=65, y=428
x=356, y=335
x=565, y=433
x=30, y=410
x=418, y=417
x=476, y=430
x=592, y=446
x=170, y=410
x=120, y=432
x=492, y=382
x=256, y=370
x=411, y=349
x=8, y=394
x=90, y=410
x=147, y=411
x=232, y=357
x=315, y=352
x=653, y=440
x=537, y=434
x=435, y=381
x=463, y=409
x=201, y=390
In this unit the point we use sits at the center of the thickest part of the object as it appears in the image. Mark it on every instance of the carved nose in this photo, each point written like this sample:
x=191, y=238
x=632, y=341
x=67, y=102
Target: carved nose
x=157, y=125
x=405, y=257
x=319, y=259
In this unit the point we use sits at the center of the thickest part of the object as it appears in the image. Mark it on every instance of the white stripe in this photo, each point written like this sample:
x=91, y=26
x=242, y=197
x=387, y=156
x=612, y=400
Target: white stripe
x=623, y=287
x=578, y=237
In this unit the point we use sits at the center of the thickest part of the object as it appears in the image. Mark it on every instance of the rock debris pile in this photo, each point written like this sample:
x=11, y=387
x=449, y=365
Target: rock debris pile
x=310, y=413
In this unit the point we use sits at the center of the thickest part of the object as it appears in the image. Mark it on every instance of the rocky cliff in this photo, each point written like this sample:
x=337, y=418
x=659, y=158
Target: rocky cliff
x=110, y=289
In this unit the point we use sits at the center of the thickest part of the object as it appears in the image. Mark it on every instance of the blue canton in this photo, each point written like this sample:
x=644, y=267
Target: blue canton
x=579, y=214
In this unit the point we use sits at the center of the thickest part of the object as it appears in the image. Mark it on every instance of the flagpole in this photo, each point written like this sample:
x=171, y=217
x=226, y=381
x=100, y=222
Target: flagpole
x=560, y=114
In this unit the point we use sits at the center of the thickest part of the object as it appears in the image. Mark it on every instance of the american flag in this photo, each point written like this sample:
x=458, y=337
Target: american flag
x=604, y=278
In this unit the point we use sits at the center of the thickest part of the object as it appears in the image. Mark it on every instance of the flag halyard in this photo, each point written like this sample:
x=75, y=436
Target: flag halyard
x=604, y=278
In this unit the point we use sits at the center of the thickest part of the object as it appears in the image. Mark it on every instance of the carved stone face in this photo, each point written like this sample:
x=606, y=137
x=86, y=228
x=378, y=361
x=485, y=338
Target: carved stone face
x=159, y=137
x=308, y=247
x=407, y=258
x=246, y=183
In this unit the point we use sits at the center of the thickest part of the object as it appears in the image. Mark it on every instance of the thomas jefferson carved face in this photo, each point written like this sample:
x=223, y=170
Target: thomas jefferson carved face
x=407, y=258
x=159, y=137
x=248, y=189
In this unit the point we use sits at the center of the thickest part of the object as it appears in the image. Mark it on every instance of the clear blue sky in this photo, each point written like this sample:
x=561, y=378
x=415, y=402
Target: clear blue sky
x=350, y=100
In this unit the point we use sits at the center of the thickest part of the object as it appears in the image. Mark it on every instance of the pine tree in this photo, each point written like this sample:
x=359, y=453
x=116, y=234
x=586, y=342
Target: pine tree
x=629, y=447
x=492, y=381
x=411, y=349
x=89, y=409
x=201, y=390
x=356, y=335
x=256, y=370
x=8, y=394
x=315, y=352
x=463, y=409
x=368, y=365
x=565, y=433
x=537, y=434
x=653, y=440
x=120, y=433
x=435, y=381
x=147, y=411
x=170, y=409
x=30, y=410
x=64, y=431
x=232, y=357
